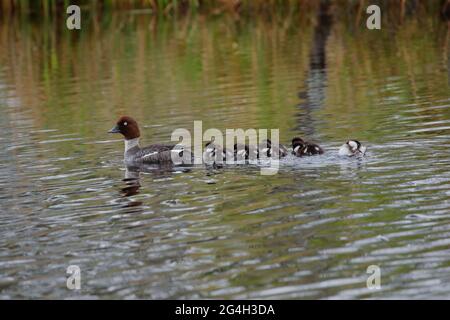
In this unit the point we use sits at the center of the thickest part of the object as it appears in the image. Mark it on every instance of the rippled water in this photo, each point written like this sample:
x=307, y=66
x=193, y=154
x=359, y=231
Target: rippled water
x=310, y=231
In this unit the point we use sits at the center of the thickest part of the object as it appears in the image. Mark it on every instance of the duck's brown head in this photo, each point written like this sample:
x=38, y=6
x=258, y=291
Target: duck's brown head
x=128, y=127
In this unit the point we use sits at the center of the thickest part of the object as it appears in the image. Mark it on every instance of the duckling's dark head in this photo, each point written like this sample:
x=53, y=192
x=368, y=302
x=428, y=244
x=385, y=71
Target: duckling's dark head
x=267, y=143
x=297, y=142
x=210, y=142
x=128, y=127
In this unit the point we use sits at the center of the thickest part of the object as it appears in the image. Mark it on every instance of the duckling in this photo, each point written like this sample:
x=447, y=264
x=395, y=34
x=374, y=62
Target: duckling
x=216, y=153
x=241, y=151
x=302, y=148
x=351, y=148
x=267, y=149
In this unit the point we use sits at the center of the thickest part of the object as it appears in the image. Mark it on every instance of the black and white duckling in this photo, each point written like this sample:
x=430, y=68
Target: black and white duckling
x=241, y=152
x=215, y=153
x=352, y=148
x=302, y=148
x=267, y=149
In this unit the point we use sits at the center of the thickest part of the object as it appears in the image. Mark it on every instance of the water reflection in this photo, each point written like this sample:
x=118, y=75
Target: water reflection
x=132, y=182
x=132, y=179
x=316, y=78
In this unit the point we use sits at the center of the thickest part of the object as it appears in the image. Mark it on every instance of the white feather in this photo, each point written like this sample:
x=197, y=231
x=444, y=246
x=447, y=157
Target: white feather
x=344, y=150
x=363, y=150
x=131, y=143
x=150, y=154
x=353, y=145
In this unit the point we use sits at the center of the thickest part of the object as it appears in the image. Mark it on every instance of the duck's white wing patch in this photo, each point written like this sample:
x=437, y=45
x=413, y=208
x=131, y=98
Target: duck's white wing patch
x=148, y=155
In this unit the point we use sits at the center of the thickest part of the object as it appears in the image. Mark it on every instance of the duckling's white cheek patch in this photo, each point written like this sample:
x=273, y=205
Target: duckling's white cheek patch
x=241, y=152
x=353, y=145
x=296, y=148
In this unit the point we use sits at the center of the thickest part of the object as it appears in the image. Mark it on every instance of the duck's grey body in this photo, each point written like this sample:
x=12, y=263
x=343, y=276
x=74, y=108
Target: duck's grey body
x=155, y=153
x=150, y=154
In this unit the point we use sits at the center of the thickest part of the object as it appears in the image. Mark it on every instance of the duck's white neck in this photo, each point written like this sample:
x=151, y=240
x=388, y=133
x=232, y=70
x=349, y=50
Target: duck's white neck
x=131, y=143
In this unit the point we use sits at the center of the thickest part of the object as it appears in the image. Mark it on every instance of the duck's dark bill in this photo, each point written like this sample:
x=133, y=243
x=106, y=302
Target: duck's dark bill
x=116, y=129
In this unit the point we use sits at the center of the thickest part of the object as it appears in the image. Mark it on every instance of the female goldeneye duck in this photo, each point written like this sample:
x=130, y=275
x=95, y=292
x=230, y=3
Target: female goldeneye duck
x=267, y=149
x=351, y=148
x=302, y=148
x=155, y=153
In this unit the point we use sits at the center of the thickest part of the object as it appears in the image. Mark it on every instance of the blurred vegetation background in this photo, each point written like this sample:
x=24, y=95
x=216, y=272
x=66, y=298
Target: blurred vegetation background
x=200, y=58
x=393, y=9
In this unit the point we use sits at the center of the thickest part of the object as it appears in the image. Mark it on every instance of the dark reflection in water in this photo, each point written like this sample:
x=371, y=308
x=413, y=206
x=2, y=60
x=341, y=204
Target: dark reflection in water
x=132, y=179
x=310, y=231
x=132, y=182
x=316, y=79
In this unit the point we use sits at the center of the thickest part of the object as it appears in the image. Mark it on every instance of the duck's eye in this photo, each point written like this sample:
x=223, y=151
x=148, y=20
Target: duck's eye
x=125, y=123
